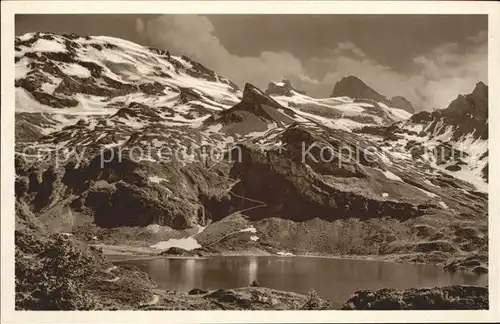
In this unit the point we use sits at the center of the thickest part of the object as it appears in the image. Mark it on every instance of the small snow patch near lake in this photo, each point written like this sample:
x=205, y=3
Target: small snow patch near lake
x=283, y=253
x=76, y=70
x=254, y=238
x=385, y=194
x=200, y=229
x=188, y=243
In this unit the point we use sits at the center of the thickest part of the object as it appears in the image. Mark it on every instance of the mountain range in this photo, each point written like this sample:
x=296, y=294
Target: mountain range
x=112, y=136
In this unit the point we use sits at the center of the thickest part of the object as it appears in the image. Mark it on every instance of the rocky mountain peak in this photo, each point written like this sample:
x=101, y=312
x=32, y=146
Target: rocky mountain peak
x=481, y=90
x=468, y=114
x=282, y=88
x=355, y=88
x=402, y=103
x=253, y=95
x=475, y=103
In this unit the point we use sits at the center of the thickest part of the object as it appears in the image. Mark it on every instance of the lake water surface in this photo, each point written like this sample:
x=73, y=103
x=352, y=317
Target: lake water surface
x=334, y=279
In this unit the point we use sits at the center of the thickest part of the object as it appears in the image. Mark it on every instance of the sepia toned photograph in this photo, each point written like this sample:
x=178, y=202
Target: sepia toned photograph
x=201, y=162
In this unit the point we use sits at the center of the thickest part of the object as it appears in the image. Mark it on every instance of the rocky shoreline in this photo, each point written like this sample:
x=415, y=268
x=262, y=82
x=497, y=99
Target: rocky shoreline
x=437, y=298
x=76, y=276
x=261, y=298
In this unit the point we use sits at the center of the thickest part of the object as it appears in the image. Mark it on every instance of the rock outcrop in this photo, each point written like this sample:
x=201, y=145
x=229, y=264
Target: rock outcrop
x=59, y=272
x=256, y=112
x=439, y=298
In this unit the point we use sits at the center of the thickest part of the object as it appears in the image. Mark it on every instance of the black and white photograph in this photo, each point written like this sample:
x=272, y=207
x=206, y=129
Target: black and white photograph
x=249, y=161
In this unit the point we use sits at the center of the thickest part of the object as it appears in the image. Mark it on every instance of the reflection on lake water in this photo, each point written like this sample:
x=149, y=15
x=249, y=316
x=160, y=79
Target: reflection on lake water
x=334, y=279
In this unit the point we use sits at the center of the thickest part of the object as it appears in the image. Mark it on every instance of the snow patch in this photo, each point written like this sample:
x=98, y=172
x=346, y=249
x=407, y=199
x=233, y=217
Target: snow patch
x=91, y=126
x=250, y=229
x=75, y=70
x=44, y=45
x=429, y=194
x=156, y=179
x=188, y=243
x=254, y=238
x=22, y=68
x=391, y=176
x=444, y=205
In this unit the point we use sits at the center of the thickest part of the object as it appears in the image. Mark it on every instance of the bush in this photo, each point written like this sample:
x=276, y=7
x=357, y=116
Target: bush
x=314, y=302
x=449, y=297
x=53, y=278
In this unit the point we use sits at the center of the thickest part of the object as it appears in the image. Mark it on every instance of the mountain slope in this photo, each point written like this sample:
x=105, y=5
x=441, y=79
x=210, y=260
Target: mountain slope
x=282, y=88
x=339, y=112
x=163, y=147
x=63, y=78
x=453, y=140
x=255, y=113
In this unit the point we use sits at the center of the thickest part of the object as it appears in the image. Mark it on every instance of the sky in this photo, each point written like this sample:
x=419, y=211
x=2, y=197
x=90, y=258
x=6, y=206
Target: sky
x=429, y=59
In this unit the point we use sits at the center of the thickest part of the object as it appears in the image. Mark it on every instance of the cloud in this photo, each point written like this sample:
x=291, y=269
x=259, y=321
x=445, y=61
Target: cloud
x=480, y=38
x=194, y=37
x=453, y=69
x=349, y=47
x=350, y=60
x=437, y=78
x=139, y=25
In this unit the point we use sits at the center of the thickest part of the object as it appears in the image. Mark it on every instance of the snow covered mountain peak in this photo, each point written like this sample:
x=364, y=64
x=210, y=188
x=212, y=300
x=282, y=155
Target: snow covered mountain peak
x=63, y=77
x=354, y=87
x=282, y=88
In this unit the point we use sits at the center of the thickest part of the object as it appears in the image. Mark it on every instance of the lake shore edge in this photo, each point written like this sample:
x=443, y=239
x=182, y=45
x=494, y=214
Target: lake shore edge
x=130, y=252
x=457, y=296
